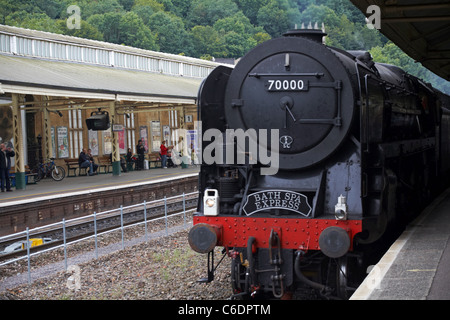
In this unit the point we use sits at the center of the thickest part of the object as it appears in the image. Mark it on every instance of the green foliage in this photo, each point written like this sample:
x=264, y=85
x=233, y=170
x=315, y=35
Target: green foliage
x=209, y=28
x=33, y=20
x=391, y=54
x=206, y=12
x=273, y=18
x=172, y=36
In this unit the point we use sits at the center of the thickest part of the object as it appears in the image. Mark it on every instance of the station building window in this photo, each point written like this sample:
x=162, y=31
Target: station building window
x=128, y=119
x=75, y=133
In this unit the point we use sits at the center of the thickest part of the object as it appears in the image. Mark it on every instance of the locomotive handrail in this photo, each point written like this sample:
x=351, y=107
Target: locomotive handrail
x=310, y=74
x=366, y=107
x=362, y=137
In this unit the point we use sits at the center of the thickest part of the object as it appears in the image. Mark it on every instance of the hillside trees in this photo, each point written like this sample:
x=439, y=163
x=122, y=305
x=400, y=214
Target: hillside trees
x=208, y=28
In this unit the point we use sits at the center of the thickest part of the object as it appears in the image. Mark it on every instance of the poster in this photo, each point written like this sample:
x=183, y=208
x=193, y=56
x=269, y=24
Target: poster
x=93, y=142
x=143, y=136
x=62, y=142
x=107, y=142
x=52, y=130
x=121, y=140
x=166, y=134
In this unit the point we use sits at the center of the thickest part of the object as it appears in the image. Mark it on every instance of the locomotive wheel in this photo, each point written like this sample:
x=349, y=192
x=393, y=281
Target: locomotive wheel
x=350, y=273
x=342, y=288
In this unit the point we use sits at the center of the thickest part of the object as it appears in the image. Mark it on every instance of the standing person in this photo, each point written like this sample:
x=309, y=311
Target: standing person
x=163, y=153
x=84, y=162
x=140, y=149
x=5, y=166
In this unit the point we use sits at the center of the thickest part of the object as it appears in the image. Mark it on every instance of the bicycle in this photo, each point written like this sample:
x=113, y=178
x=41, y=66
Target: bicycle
x=50, y=169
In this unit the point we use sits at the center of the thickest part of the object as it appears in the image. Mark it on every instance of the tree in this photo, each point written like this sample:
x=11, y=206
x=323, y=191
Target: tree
x=273, y=19
x=320, y=14
x=86, y=31
x=108, y=24
x=237, y=33
x=133, y=32
x=34, y=21
x=127, y=29
x=153, y=4
x=261, y=37
x=250, y=8
x=391, y=54
x=237, y=44
x=126, y=4
x=89, y=8
x=206, y=12
x=172, y=36
x=342, y=33
x=207, y=42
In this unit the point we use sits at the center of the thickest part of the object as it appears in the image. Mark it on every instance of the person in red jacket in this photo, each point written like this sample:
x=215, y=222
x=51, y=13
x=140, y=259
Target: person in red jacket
x=163, y=153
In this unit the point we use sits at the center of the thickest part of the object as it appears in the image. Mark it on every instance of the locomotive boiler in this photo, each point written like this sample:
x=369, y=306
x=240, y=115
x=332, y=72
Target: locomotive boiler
x=360, y=146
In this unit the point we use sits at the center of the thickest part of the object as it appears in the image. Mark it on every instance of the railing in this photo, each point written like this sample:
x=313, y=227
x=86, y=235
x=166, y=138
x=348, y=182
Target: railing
x=95, y=217
x=23, y=42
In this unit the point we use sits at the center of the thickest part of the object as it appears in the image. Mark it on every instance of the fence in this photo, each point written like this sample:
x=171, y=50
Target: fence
x=95, y=217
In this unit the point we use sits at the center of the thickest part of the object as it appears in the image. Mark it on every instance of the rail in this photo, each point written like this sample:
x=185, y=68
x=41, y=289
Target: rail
x=95, y=218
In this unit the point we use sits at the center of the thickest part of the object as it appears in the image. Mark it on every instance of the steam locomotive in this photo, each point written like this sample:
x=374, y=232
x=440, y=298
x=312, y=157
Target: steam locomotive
x=360, y=147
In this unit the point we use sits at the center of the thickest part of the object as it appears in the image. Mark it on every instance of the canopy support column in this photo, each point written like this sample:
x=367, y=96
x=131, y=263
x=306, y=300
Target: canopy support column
x=115, y=159
x=18, y=143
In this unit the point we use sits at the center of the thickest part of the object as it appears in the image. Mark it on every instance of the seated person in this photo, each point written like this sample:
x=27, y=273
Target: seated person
x=91, y=158
x=130, y=157
x=84, y=162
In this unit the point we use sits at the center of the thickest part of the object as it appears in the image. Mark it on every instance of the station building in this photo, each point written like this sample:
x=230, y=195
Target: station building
x=51, y=83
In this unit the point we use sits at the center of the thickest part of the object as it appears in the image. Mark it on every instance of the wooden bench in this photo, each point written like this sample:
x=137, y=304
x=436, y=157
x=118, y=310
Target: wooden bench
x=73, y=167
x=30, y=177
x=154, y=161
x=104, y=164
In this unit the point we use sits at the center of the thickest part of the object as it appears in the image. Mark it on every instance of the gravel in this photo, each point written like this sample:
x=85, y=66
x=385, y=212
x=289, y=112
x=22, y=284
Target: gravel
x=162, y=268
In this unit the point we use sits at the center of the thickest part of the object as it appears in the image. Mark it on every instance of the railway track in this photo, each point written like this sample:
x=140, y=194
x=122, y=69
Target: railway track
x=52, y=208
x=83, y=227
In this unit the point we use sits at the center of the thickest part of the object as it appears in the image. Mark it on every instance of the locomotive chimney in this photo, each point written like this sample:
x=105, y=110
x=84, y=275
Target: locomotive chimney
x=311, y=34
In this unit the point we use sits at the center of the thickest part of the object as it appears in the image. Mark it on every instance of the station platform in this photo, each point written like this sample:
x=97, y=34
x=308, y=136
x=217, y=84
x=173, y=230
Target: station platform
x=416, y=266
x=69, y=186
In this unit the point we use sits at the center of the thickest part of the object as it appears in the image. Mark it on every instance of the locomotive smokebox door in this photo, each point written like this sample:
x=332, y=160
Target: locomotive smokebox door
x=304, y=94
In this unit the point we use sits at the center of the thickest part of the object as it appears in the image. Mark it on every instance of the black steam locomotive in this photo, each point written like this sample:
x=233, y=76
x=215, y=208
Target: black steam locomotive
x=360, y=146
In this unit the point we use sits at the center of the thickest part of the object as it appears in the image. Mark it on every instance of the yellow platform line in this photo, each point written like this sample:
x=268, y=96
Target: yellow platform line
x=90, y=187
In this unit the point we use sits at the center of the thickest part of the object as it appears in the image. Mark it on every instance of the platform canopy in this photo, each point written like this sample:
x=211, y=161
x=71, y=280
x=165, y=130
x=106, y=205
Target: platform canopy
x=54, y=78
x=420, y=28
x=59, y=66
